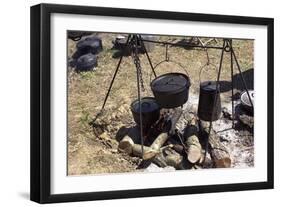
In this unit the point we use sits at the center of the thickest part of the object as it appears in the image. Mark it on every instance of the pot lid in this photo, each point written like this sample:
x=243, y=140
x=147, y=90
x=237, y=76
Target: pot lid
x=209, y=86
x=170, y=83
x=94, y=42
x=148, y=104
x=76, y=35
x=86, y=60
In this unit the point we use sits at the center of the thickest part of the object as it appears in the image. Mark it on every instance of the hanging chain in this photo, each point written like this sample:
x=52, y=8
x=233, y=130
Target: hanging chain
x=136, y=60
x=207, y=55
x=166, y=54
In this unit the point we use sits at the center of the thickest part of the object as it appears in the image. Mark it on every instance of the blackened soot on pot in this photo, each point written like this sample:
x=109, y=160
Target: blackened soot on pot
x=171, y=90
x=150, y=111
x=208, y=106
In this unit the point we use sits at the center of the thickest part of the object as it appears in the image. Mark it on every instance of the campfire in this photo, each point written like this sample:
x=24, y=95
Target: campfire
x=178, y=139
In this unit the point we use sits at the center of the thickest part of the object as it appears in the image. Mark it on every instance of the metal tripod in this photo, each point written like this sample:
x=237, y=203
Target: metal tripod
x=135, y=40
x=132, y=44
x=227, y=47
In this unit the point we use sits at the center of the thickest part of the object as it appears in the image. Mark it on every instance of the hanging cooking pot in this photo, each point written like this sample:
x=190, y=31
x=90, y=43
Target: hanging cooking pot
x=150, y=111
x=209, y=108
x=90, y=45
x=86, y=62
x=171, y=89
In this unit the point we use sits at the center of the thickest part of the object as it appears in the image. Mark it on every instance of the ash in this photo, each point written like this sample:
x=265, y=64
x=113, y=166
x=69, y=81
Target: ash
x=238, y=139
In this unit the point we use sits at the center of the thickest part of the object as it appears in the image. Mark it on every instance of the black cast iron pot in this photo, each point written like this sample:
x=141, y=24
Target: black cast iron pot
x=150, y=111
x=77, y=35
x=208, y=106
x=90, y=45
x=86, y=62
x=171, y=90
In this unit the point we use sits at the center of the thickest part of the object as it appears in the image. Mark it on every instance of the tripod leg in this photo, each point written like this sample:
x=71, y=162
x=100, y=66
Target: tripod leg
x=215, y=100
x=115, y=73
x=146, y=53
x=242, y=77
x=232, y=93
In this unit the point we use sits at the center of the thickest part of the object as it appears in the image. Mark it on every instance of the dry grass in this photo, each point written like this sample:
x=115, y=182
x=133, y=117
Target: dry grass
x=89, y=152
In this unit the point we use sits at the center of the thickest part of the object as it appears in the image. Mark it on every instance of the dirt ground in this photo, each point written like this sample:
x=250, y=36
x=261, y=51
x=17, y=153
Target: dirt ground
x=92, y=146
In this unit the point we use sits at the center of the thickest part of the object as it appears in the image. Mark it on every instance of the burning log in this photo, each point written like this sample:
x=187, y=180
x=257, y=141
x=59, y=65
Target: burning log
x=218, y=151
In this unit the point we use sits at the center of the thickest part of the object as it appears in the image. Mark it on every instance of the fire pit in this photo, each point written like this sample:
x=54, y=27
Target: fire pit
x=178, y=140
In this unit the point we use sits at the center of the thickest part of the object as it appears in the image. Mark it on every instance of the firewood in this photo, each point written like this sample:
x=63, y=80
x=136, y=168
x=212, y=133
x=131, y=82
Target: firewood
x=173, y=158
x=159, y=141
x=126, y=145
x=178, y=148
x=194, y=148
x=168, y=157
x=160, y=160
x=148, y=152
x=163, y=157
x=218, y=151
x=206, y=162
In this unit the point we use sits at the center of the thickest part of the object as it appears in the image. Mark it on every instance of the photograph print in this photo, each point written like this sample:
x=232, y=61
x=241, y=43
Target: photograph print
x=141, y=103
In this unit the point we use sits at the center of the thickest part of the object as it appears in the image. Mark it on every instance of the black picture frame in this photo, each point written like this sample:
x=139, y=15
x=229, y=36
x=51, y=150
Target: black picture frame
x=41, y=96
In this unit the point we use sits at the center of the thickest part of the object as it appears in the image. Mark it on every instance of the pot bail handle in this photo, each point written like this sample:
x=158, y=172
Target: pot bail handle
x=167, y=59
x=208, y=64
